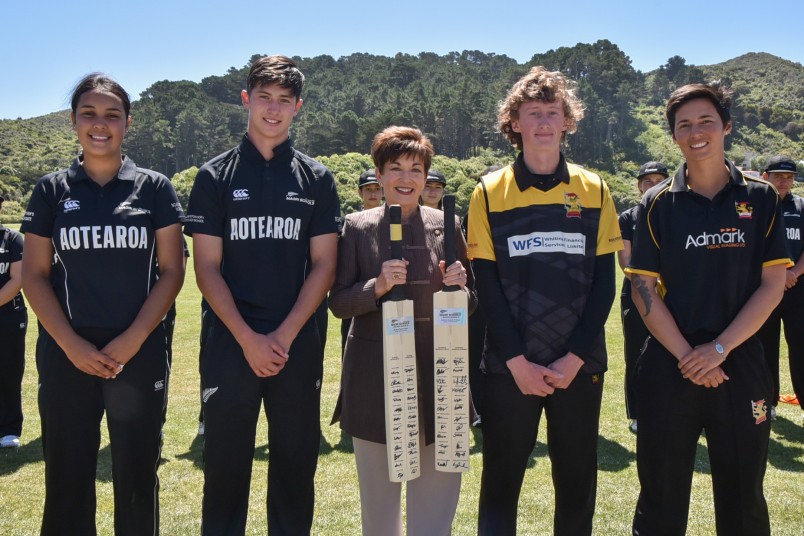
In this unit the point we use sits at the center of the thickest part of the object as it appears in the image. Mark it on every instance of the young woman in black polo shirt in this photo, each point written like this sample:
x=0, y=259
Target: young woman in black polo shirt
x=94, y=234
x=713, y=238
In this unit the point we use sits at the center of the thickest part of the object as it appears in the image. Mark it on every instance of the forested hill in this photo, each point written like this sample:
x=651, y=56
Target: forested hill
x=453, y=98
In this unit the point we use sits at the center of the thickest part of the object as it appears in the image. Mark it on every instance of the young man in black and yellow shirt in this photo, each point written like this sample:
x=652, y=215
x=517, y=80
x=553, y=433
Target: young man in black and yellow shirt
x=542, y=237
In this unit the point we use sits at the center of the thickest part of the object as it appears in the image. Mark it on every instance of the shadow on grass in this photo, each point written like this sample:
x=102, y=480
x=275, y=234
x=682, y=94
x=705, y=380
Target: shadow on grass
x=784, y=456
x=195, y=453
x=344, y=444
x=11, y=460
x=612, y=456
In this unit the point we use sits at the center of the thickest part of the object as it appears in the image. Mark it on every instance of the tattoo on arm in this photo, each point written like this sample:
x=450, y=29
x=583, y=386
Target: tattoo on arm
x=644, y=292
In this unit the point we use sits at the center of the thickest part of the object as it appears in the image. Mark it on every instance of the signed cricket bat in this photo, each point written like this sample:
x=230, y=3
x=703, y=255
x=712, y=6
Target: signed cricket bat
x=451, y=362
x=399, y=370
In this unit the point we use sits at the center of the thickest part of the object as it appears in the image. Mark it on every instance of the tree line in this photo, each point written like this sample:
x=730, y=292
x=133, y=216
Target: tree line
x=453, y=98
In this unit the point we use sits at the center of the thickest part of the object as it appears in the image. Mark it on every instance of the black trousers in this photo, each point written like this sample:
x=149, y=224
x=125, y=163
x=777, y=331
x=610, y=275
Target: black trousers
x=12, y=367
x=477, y=342
x=292, y=404
x=791, y=312
x=510, y=425
x=634, y=334
x=672, y=413
x=71, y=405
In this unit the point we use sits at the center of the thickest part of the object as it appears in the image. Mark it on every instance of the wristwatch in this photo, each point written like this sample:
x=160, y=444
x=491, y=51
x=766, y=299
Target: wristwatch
x=719, y=349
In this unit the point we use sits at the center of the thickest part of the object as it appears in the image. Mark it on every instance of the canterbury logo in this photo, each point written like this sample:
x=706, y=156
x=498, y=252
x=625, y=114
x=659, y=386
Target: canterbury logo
x=240, y=194
x=208, y=392
x=159, y=385
x=72, y=204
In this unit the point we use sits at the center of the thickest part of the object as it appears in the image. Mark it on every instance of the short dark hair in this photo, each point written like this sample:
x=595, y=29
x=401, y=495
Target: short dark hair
x=103, y=83
x=395, y=141
x=276, y=70
x=715, y=92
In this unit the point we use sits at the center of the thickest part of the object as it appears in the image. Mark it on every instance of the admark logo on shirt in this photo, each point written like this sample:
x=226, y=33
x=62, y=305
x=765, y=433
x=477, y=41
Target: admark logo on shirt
x=241, y=194
x=71, y=205
x=293, y=196
x=729, y=237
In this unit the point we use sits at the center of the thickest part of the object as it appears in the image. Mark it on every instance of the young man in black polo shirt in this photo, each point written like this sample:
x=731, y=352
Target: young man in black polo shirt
x=542, y=237
x=264, y=220
x=781, y=172
x=714, y=238
x=634, y=330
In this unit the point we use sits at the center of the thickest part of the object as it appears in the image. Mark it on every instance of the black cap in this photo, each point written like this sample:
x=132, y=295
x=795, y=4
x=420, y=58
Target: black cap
x=436, y=176
x=781, y=164
x=650, y=168
x=366, y=178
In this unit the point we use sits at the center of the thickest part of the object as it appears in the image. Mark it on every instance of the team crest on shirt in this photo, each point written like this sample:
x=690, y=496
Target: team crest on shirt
x=760, y=411
x=127, y=207
x=572, y=204
x=744, y=209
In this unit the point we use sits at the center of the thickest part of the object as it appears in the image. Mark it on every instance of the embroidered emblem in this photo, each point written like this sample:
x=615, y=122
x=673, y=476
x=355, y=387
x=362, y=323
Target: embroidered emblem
x=744, y=209
x=760, y=411
x=572, y=204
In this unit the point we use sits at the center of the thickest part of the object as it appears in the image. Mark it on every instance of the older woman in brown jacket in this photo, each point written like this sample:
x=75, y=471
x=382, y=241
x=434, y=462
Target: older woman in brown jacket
x=365, y=274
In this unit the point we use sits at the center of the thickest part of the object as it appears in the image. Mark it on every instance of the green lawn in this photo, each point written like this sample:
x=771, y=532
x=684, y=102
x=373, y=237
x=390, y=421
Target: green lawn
x=337, y=500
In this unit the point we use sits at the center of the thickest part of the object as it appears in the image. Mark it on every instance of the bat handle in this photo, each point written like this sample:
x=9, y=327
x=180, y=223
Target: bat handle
x=450, y=252
x=397, y=292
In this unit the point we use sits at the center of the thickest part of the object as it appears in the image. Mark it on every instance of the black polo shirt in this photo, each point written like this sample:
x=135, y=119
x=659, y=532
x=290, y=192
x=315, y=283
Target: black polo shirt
x=10, y=251
x=709, y=254
x=627, y=221
x=265, y=212
x=104, y=239
x=793, y=214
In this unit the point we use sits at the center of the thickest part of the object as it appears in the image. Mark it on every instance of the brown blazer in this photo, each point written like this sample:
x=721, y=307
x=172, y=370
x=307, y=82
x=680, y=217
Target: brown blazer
x=362, y=248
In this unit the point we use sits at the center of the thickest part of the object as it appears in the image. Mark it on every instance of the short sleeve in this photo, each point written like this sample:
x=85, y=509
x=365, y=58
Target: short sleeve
x=40, y=215
x=775, y=239
x=479, y=244
x=609, y=239
x=626, y=221
x=167, y=209
x=15, y=246
x=647, y=240
x=327, y=214
x=205, y=213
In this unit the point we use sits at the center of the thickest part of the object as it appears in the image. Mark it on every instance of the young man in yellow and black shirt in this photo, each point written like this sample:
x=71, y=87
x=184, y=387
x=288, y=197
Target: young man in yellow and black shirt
x=542, y=237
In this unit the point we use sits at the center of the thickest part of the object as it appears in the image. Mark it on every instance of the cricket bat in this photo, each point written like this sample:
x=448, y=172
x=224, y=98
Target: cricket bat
x=399, y=371
x=451, y=362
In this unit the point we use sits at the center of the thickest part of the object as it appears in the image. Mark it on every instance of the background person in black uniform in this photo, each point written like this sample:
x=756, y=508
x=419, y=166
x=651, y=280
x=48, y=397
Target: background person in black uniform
x=716, y=240
x=102, y=347
x=781, y=172
x=433, y=193
x=370, y=192
x=264, y=220
x=13, y=325
x=634, y=330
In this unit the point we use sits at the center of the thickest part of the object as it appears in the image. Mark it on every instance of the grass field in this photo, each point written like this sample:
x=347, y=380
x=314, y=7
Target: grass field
x=337, y=501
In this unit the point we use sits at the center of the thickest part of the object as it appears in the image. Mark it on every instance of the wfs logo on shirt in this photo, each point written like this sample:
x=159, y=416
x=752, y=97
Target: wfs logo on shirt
x=293, y=196
x=240, y=194
x=71, y=205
